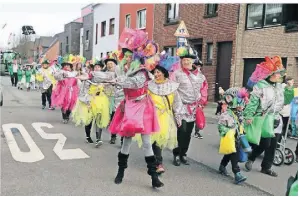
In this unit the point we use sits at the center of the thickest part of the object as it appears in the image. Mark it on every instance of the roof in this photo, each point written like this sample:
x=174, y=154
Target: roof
x=44, y=41
x=53, y=43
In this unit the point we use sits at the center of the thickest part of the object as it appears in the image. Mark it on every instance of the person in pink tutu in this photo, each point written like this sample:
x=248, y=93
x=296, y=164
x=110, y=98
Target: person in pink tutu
x=66, y=93
x=136, y=113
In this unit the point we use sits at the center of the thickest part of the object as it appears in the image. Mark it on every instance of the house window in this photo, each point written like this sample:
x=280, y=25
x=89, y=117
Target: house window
x=209, y=52
x=254, y=15
x=67, y=45
x=260, y=15
x=141, y=19
x=211, y=9
x=273, y=14
x=128, y=20
x=97, y=29
x=171, y=50
x=87, y=35
x=111, y=27
x=290, y=17
x=103, y=29
x=172, y=12
x=61, y=49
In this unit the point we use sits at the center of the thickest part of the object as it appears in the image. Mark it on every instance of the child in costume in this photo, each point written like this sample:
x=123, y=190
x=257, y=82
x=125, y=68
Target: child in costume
x=232, y=119
x=21, y=77
x=92, y=107
x=266, y=101
x=32, y=79
x=136, y=114
x=28, y=73
x=111, y=90
x=164, y=94
x=45, y=77
x=66, y=93
x=294, y=115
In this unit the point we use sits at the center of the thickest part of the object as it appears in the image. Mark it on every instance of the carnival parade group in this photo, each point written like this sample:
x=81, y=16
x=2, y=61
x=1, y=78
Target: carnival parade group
x=142, y=94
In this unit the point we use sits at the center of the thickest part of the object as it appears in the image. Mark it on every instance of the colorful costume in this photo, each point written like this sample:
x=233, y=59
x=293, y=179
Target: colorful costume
x=21, y=78
x=137, y=113
x=66, y=92
x=294, y=114
x=193, y=91
x=266, y=101
x=92, y=102
x=47, y=82
x=231, y=124
x=28, y=73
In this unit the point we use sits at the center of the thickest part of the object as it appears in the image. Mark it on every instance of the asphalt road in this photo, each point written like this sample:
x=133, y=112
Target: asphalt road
x=40, y=167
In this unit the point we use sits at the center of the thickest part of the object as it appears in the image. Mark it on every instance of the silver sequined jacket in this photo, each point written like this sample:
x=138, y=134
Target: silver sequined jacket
x=190, y=92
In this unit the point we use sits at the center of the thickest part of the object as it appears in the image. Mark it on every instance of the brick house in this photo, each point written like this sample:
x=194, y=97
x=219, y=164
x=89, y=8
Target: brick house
x=139, y=16
x=212, y=29
x=266, y=30
x=53, y=50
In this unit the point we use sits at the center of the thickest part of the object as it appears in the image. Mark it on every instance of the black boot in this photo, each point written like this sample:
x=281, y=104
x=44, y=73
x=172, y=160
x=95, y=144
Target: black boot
x=122, y=165
x=152, y=167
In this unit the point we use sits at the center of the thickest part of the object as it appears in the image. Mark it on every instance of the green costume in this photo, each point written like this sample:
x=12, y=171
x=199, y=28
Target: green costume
x=288, y=95
x=10, y=69
x=20, y=74
x=28, y=75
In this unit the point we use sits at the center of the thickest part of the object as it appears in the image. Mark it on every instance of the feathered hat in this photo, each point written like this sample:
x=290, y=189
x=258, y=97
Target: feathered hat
x=68, y=60
x=266, y=69
x=131, y=39
x=98, y=62
x=46, y=61
x=111, y=57
x=236, y=97
x=186, y=52
x=170, y=63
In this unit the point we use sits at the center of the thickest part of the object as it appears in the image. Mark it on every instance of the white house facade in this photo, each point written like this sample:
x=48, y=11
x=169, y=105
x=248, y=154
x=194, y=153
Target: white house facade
x=105, y=29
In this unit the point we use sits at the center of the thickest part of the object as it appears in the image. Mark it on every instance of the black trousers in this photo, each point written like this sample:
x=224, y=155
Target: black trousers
x=219, y=107
x=14, y=79
x=98, y=131
x=183, y=136
x=268, y=145
x=47, y=96
x=233, y=158
x=88, y=129
x=66, y=114
x=158, y=153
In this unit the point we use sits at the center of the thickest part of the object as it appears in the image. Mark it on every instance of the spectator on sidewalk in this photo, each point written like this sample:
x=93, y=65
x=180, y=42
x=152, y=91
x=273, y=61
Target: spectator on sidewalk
x=198, y=63
x=288, y=97
x=15, y=68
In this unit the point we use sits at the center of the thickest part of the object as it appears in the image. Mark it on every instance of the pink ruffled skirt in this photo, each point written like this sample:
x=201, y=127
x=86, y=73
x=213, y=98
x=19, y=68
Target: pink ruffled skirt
x=133, y=117
x=65, y=94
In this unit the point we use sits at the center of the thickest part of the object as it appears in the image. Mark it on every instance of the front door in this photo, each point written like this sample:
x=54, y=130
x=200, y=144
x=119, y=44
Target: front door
x=224, y=58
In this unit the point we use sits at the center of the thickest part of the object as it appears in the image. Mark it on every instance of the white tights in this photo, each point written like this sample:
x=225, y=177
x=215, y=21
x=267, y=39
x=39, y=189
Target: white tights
x=146, y=145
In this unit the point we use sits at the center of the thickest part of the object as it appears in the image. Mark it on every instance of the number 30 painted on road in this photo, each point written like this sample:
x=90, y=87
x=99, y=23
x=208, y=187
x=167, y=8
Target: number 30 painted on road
x=35, y=153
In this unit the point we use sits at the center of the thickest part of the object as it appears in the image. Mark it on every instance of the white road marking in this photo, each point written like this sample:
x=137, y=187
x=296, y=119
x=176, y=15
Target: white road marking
x=63, y=154
x=33, y=155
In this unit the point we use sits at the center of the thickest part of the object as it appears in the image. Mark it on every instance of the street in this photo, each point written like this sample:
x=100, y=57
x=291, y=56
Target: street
x=63, y=164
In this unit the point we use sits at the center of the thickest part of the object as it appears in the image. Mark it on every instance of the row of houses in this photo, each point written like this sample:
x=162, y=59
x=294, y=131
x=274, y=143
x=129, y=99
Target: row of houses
x=229, y=38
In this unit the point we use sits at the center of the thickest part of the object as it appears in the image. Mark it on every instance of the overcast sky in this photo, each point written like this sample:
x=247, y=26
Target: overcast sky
x=47, y=19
